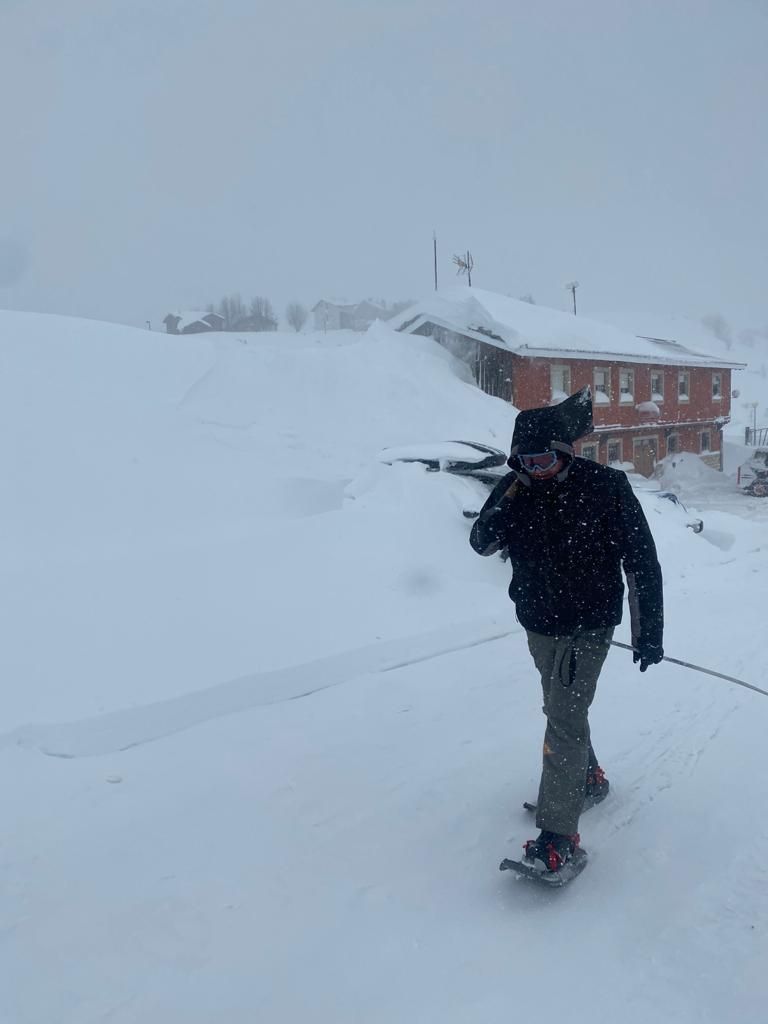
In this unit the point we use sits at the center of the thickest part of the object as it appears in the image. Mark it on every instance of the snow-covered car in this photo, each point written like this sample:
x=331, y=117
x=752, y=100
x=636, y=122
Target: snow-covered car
x=481, y=462
x=691, y=521
x=486, y=464
x=479, y=465
x=753, y=475
x=463, y=458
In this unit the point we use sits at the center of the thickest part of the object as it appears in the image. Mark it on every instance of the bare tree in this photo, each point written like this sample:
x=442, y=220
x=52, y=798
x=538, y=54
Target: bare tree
x=296, y=315
x=231, y=308
x=261, y=316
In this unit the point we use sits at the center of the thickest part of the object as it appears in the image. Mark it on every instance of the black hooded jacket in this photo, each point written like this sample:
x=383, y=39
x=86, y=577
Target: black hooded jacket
x=568, y=540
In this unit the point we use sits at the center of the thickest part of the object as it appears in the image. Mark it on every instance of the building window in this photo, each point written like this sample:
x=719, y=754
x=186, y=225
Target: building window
x=589, y=451
x=672, y=445
x=683, y=386
x=626, y=385
x=614, y=452
x=602, y=385
x=706, y=441
x=717, y=385
x=657, y=386
x=560, y=380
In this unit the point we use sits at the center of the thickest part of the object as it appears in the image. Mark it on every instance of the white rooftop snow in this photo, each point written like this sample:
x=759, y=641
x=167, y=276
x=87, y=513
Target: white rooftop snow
x=535, y=330
x=192, y=317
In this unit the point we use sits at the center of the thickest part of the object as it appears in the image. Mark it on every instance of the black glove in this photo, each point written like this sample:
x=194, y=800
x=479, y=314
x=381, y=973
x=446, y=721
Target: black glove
x=647, y=654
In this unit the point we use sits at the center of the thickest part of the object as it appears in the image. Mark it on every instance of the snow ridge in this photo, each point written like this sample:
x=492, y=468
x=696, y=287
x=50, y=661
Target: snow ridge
x=134, y=727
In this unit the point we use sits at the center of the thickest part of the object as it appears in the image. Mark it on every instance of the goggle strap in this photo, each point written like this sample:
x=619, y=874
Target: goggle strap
x=559, y=446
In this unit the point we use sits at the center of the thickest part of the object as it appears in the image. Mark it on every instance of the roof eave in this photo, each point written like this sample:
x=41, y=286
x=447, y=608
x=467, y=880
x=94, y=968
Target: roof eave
x=412, y=323
x=627, y=357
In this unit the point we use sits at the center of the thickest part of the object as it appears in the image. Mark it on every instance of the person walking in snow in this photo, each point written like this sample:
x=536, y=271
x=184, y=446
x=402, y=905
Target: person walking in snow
x=569, y=526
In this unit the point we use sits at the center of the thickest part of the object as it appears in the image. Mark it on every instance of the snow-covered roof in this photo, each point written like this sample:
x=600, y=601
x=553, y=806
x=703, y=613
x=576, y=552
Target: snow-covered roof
x=695, y=334
x=336, y=305
x=530, y=330
x=192, y=317
x=364, y=306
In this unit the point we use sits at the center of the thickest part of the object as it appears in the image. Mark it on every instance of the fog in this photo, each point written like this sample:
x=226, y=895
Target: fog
x=160, y=154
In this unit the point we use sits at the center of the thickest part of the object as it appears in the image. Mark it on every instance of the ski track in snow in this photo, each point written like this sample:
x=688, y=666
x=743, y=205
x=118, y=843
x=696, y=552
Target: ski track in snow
x=664, y=755
x=133, y=727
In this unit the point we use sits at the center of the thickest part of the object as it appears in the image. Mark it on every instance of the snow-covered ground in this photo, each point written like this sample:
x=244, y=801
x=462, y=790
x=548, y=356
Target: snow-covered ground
x=268, y=721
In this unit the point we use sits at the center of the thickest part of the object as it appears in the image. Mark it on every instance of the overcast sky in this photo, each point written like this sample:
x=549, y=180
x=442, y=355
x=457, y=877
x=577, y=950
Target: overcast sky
x=159, y=153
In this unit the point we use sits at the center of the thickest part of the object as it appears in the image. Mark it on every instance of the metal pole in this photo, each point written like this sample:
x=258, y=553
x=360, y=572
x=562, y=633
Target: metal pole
x=573, y=289
x=698, y=668
x=434, y=248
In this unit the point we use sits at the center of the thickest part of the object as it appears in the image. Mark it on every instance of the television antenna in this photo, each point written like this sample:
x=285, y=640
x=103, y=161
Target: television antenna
x=465, y=263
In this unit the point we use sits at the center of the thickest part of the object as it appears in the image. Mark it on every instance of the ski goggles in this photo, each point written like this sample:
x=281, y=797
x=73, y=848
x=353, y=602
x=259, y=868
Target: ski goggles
x=539, y=462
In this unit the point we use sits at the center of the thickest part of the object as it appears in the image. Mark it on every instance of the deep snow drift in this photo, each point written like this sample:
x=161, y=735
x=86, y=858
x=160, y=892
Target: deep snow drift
x=269, y=721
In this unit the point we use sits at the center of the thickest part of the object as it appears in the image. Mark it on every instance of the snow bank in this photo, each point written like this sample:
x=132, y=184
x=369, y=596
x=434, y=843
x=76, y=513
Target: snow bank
x=269, y=721
x=687, y=474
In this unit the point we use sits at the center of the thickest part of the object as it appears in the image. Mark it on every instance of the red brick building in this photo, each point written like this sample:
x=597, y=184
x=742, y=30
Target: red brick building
x=652, y=397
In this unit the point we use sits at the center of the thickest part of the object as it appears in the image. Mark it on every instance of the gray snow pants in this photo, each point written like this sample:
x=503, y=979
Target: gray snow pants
x=569, y=668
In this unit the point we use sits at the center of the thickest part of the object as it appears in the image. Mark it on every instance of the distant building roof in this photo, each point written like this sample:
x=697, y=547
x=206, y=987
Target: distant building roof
x=336, y=305
x=530, y=330
x=192, y=317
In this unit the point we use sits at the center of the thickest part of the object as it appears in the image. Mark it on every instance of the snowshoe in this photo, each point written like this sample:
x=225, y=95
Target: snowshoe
x=550, y=851
x=552, y=859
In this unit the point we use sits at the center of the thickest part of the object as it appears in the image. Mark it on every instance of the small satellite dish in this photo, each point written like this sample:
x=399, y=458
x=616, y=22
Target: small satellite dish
x=735, y=393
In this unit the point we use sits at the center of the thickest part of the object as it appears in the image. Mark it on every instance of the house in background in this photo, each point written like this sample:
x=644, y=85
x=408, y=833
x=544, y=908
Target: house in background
x=193, y=323
x=334, y=316
x=652, y=397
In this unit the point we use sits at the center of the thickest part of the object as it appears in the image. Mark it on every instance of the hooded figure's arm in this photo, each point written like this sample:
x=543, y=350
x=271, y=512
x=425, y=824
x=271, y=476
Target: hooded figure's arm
x=490, y=529
x=643, y=572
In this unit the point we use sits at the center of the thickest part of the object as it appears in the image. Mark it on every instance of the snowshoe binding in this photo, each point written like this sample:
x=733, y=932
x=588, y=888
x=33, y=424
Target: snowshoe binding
x=552, y=859
x=550, y=851
x=597, y=788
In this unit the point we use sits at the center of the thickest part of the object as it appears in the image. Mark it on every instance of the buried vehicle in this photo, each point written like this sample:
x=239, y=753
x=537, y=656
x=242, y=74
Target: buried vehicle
x=752, y=476
x=464, y=458
x=691, y=521
x=476, y=462
x=485, y=464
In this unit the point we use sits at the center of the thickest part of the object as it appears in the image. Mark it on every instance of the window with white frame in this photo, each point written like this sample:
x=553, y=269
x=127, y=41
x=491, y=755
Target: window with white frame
x=672, y=444
x=560, y=381
x=614, y=451
x=717, y=385
x=589, y=451
x=683, y=386
x=706, y=441
x=602, y=385
x=626, y=385
x=657, y=386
